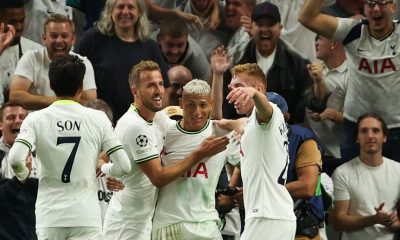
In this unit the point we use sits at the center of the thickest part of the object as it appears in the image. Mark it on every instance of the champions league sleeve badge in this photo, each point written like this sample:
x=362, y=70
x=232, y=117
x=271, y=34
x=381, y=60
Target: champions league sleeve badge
x=142, y=141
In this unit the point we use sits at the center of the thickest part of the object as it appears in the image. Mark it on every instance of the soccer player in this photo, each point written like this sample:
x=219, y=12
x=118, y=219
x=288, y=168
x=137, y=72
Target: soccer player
x=68, y=138
x=264, y=144
x=373, y=60
x=186, y=206
x=141, y=130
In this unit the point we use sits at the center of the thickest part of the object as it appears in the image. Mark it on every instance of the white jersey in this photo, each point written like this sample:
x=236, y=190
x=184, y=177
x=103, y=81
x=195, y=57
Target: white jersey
x=10, y=57
x=191, y=198
x=34, y=65
x=142, y=141
x=68, y=139
x=367, y=187
x=373, y=71
x=264, y=168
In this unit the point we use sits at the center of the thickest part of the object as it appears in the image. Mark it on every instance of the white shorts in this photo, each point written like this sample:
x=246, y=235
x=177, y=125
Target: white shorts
x=208, y=230
x=266, y=228
x=115, y=228
x=72, y=233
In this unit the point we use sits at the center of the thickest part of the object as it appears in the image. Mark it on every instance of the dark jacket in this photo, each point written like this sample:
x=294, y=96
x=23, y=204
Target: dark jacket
x=288, y=76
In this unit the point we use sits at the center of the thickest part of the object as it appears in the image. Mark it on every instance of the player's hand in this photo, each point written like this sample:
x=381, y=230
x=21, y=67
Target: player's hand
x=236, y=125
x=7, y=35
x=114, y=184
x=240, y=95
x=239, y=197
x=211, y=146
x=225, y=203
x=99, y=163
x=220, y=60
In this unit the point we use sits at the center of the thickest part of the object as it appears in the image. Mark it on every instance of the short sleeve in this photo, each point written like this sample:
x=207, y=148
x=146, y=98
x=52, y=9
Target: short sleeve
x=110, y=142
x=343, y=28
x=140, y=142
x=308, y=155
x=340, y=186
x=25, y=66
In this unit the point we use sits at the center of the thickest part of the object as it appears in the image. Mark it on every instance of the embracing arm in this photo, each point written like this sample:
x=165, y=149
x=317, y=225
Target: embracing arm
x=120, y=163
x=17, y=157
x=162, y=175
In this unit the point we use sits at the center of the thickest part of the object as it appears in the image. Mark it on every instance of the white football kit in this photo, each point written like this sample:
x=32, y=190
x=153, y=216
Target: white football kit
x=373, y=71
x=130, y=211
x=190, y=198
x=264, y=170
x=68, y=139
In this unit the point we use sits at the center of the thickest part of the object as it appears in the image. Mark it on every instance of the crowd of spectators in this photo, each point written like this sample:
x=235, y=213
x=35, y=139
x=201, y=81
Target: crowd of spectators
x=330, y=66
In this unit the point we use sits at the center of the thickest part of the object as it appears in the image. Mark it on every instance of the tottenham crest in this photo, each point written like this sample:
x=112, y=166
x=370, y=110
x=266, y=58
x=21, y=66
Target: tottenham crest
x=142, y=141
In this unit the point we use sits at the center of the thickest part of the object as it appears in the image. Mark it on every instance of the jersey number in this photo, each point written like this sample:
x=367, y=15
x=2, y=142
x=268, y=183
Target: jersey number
x=66, y=173
x=282, y=180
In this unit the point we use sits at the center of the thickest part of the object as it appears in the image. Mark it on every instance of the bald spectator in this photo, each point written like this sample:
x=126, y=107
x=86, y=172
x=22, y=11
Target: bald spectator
x=178, y=76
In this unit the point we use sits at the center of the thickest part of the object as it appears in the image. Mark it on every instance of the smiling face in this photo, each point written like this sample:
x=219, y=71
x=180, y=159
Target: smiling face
x=150, y=90
x=380, y=14
x=196, y=110
x=266, y=33
x=173, y=49
x=234, y=9
x=11, y=123
x=125, y=14
x=58, y=39
x=370, y=136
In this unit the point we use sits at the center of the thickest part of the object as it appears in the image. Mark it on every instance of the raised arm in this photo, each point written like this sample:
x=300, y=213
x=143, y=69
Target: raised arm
x=241, y=95
x=312, y=18
x=220, y=62
x=162, y=175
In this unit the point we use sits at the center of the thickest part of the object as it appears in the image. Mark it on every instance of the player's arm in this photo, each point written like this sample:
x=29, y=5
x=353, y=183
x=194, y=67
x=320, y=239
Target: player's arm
x=241, y=95
x=120, y=164
x=312, y=18
x=307, y=174
x=162, y=175
x=220, y=62
x=19, y=93
x=17, y=156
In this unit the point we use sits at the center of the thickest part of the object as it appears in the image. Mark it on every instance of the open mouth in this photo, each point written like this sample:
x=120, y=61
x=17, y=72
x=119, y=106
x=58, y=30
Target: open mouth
x=15, y=130
x=377, y=18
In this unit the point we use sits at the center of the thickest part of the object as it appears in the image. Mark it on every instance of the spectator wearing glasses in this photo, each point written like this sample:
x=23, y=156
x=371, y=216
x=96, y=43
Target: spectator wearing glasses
x=178, y=76
x=373, y=54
